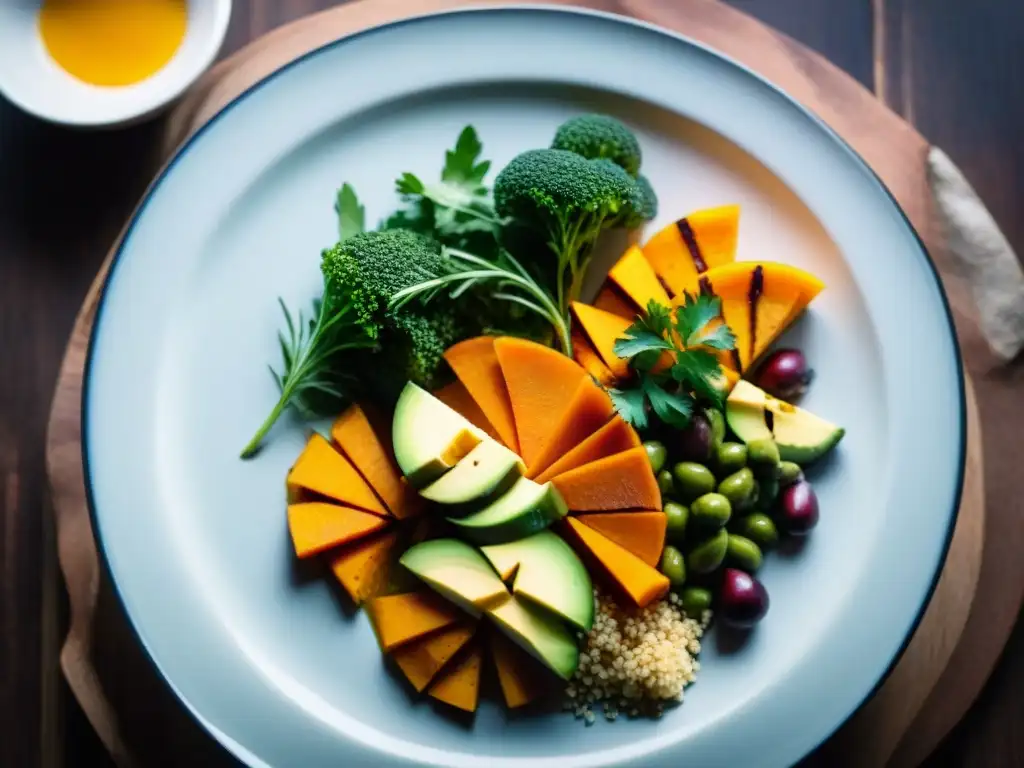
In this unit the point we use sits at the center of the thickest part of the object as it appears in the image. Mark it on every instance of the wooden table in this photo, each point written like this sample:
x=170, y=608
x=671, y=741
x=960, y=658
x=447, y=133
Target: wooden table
x=951, y=68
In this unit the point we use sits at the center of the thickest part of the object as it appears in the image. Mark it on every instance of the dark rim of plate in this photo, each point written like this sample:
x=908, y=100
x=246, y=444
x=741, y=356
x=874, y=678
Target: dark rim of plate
x=683, y=39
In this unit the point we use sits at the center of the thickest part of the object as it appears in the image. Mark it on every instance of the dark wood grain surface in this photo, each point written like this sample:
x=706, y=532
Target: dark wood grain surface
x=954, y=69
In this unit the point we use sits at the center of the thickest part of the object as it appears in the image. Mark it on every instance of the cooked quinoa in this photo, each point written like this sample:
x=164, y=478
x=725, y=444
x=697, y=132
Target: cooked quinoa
x=634, y=662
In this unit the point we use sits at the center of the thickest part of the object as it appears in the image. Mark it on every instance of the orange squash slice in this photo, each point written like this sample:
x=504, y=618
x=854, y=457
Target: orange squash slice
x=635, y=277
x=363, y=567
x=323, y=471
x=540, y=384
x=521, y=677
x=420, y=661
x=475, y=364
x=458, y=684
x=316, y=526
x=642, y=533
x=588, y=410
x=759, y=301
x=687, y=248
x=602, y=329
x=614, y=437
x=627, y=573
x=457, y=397
x=399, y=619
x=584, y=354
x=618, y=482
x=610, y=299
x=371, y=453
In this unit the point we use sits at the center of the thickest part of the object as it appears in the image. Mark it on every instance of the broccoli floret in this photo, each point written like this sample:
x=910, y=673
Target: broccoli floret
x=596, y=136
x=569, y=198
x=643, y=208
x=362, y=273
x=413, y=344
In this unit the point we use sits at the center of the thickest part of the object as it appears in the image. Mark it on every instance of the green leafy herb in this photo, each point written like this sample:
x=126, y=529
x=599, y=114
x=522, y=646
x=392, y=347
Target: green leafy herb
x=509, y=281
x=308, y=380
x=674, y=408
x=631, y=405
x=694, y=373
x=459, y=203
x=351, y=215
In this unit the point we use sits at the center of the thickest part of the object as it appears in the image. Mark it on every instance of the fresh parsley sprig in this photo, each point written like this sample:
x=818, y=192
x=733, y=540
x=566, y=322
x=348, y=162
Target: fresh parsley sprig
x=672, y=354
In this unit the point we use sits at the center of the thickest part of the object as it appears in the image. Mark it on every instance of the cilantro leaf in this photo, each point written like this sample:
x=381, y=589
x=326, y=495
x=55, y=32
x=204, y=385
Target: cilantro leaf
x=698, y=370
x=658, y=319
x=351, y=215
x=638, y=340
x=694, y=316
x=718, y=337
x=409, y=184
x=629, y=403
x=460, y=164
x=673, y=409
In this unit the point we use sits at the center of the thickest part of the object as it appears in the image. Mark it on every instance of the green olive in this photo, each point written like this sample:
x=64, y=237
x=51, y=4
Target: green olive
x=763, y=453
x=656, y=454
x=717, y=422
x=709, y=554
x=768, y=492
x=739, y=489
x=673, y=566
x=730, y=457
x=760, y=529
x=695, y=601
x=743, y=553
x=692, y=480
x=789, y=473
x=665, y=484
x=676, y=518
x=711, y=511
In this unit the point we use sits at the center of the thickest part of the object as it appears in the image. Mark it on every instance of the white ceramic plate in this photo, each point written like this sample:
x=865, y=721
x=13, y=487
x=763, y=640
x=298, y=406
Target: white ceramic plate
x=177, y=382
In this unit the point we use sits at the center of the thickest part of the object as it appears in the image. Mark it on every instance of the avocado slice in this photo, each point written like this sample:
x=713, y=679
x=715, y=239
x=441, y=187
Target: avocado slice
x=429, y=438
x=549, y=573
x=484, y=473
x=801, y=436
x=456, y=571
x=540, y=634
x=526, y=508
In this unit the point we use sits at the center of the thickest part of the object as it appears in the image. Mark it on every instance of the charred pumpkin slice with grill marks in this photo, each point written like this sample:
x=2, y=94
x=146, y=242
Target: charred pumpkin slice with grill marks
x=759, y=301
x=689, y=247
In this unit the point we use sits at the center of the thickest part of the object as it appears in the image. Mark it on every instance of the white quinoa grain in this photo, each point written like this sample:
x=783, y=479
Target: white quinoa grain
x=635, y=661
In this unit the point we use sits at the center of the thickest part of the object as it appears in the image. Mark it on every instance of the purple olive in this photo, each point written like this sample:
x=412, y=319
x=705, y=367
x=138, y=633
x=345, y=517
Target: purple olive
x=798, y=508
x=743, y=600
x=784, y=374
x=696, y=441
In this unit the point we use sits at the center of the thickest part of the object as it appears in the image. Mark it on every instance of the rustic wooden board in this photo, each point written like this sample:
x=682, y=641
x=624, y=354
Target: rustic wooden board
x=892, y=147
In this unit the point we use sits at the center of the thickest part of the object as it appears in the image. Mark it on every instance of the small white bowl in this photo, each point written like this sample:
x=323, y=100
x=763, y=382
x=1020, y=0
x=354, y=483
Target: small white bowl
x=33, y=81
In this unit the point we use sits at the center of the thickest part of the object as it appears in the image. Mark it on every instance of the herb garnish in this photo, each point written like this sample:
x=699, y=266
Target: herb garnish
x=691, y=372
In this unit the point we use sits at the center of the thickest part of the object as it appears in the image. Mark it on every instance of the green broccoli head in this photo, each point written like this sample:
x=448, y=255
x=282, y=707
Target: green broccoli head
x=418, y=341
x=362, y=273
x=644, y=208
x=570, y=199
x=599, y=136
x=556, y=188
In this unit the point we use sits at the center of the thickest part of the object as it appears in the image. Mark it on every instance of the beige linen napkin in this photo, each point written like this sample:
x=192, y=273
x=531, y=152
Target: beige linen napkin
x=982, y=254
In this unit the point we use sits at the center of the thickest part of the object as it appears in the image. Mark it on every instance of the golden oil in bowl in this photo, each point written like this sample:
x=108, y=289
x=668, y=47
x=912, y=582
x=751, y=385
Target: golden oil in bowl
x=112, y=43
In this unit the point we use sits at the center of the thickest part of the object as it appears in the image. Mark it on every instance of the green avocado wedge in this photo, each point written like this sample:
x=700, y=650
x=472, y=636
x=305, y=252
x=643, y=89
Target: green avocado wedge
x=457, y=571
x=429, y=437
x=801, y=436
x=539, y=633
x=482, y=475
x=526, y=508
x=548, y=573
